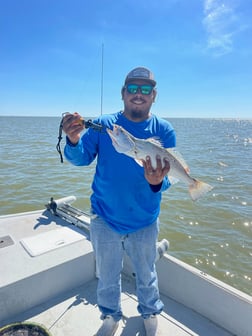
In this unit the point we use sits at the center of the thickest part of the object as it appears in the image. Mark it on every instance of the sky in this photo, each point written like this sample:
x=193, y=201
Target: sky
x=73, y=55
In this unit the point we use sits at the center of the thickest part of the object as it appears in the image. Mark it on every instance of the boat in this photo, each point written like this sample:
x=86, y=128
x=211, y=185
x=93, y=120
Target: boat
x=49, y=278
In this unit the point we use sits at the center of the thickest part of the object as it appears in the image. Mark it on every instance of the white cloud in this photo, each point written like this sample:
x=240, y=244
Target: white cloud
x=221, y=23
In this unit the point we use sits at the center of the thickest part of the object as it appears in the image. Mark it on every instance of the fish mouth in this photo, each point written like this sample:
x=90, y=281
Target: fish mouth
x=117, y=133
x=112, y=136
x=110, y=133
x=121, y=139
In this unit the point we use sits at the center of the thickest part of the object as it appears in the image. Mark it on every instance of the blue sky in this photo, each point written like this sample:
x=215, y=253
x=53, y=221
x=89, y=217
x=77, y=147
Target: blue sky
x=199, y=50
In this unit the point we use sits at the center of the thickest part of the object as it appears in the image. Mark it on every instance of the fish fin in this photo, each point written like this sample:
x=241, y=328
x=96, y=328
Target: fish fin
x=198, y=189
x=179, y=157
x=156, y=141
x=140, y=162
x=173, y=180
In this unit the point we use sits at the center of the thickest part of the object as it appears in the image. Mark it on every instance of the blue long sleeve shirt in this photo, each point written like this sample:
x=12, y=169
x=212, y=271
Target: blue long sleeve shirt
x=121, y=194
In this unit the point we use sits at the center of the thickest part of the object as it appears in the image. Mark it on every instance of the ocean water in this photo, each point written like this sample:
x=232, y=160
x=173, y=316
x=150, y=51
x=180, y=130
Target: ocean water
x=213, y=234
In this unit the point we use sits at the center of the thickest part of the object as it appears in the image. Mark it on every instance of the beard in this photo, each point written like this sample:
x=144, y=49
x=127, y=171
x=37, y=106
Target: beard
x=138, y=114
x=137, y=108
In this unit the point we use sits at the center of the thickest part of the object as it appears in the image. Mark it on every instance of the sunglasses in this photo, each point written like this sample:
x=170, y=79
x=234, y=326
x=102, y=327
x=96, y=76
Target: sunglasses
x=144, y=89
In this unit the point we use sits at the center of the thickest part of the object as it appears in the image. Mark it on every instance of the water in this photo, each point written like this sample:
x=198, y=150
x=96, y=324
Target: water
x=214, y=234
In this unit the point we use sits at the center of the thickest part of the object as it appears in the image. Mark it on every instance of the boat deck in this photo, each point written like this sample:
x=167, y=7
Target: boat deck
x=52, y=282
x=75, y=313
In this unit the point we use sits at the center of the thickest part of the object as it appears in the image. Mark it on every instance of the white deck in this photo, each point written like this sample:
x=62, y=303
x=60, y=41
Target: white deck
x=75, y=313
x=58, y=289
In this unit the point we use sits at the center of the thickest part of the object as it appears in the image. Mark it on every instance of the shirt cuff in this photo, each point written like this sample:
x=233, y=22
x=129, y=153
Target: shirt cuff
x=156, y=187
x=70, y=143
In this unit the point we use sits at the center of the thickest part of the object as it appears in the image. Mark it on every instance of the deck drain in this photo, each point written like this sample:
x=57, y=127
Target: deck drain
x=6, y=241
x=24, y=329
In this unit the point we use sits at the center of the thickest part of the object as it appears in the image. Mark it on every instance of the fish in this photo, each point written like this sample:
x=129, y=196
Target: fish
x=138, y=149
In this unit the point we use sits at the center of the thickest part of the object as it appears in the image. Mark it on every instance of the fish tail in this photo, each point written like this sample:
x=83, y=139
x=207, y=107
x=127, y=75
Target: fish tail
x=198, y=189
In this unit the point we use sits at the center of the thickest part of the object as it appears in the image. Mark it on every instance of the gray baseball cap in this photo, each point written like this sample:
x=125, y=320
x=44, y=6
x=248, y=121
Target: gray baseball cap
x=140, y=73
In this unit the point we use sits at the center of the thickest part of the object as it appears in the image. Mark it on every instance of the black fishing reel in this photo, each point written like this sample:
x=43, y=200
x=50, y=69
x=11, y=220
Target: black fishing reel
x=87, y=124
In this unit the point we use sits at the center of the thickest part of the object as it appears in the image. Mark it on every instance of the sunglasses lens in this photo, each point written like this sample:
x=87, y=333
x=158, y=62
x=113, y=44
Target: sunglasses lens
x=145, y=89
x=132, y=88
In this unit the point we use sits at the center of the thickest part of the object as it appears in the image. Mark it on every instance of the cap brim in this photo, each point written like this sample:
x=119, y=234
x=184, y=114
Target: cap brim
x=151, y=81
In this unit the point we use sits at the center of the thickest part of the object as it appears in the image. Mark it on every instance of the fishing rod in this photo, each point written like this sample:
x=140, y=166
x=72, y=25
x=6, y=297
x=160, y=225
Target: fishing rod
x=102, y=61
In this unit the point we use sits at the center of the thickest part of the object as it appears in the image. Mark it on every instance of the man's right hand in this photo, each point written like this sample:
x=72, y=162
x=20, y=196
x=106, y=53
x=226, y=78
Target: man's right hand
x=73, y=126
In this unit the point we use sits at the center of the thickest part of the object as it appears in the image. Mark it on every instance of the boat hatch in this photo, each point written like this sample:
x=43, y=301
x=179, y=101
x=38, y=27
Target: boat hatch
x=51, y=240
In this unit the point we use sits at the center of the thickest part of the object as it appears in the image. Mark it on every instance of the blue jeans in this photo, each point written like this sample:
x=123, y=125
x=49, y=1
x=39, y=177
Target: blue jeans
x=140, y=246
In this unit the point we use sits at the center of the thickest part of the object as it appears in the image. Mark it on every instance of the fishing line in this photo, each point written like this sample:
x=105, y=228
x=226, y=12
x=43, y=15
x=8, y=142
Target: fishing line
x=87, y=124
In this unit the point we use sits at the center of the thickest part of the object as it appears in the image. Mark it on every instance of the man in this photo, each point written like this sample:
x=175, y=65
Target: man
x=126, y=199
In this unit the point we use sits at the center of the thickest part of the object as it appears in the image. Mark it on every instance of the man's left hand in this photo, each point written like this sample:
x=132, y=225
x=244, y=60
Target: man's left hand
x=155, y=176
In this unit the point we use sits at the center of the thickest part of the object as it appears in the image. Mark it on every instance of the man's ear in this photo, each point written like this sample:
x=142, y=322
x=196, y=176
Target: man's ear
x=154, y=94
x=122, y=92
